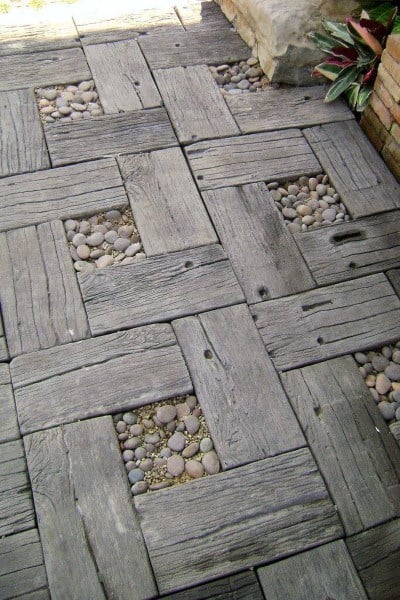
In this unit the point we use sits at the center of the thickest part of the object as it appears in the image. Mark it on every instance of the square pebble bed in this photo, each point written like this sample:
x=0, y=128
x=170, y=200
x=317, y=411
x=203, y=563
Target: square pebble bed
x=381, y=371
x=241, y=77
x=308, y=203
x=103, y=240
x=165, y=444
x=68, y=103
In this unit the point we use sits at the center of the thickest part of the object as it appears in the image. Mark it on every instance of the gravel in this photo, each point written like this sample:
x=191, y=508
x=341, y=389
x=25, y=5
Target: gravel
x=240, y=78
x=68, y=103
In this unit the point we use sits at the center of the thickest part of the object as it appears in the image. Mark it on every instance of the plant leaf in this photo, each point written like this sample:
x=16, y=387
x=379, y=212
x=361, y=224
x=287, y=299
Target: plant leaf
x=343, y=81
x=328, y=70
x=323, y=41
x=352, y=94
x=362, y=35
x=363, y=98
x=396, y=25
x=339, y=31
x=378, y=30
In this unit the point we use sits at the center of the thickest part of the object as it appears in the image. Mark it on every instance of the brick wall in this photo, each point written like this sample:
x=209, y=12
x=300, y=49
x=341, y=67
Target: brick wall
x=381, y=119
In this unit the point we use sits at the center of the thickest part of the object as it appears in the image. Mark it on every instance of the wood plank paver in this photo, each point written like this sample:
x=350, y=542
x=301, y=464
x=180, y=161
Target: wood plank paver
x=205, y=14
x=177, y=48
x=16, y=508
x=357, y=456
x=37, y=69
x=23, y=145
x=249, y=515
x=21, y=566
x=355, y=169
x=61, y=193
x=9, y=429
x=165, y=288
x=166, y=205
x=194, y=103
x=3, y=343
x=329, y=321
x=135, y=131
x=98, y=537
x=122, y=77
x=243, y=586
x=37, y=37
x=352, y=249
x=394, y=278
x=324, y=572
x=376, y=554
x=263, y=254
x=239, y=391
x=278, y=155
x=89, y=378
x=40, y=296
x=285, y=107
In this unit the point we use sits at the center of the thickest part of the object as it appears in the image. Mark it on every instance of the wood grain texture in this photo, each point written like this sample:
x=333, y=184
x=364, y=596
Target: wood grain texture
x=242, y=399
x=285, y=107
x=37, y=37
x=177, y=48
x=356, y=171
x=9, y=429
x=166, y=287
x=23, y=146
x=394, y=278
x=279, y=155
x=88, y=378
x=324, y=572
x=111, y=524
x=243, y=586
x=330, y=321
x=3, y=343
x=263, y=254
x=194, y=103
x=40, y=298
x=204, y=14
x=166, y=205
x=357, y=456
x=73, y=191
x=376, y=554
x=16, y=509
x=352, y=249
x=36, y=69
x=109, y=135
x=122, y=77
x=249, y=515
x=21, y=565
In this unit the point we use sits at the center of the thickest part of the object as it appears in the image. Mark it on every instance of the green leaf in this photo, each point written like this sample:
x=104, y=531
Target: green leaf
x=363, y=98
x=352, y=94
x=396, y=25
x=323, y=41
x=339, y=31
x=381, y=13
x=329, y=71
x=345, y=78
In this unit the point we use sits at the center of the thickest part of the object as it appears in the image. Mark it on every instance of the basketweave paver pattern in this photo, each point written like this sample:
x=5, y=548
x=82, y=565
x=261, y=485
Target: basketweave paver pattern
x=260, y=324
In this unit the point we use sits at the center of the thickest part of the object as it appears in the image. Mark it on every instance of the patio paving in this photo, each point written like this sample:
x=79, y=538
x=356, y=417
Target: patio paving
x=259, y=323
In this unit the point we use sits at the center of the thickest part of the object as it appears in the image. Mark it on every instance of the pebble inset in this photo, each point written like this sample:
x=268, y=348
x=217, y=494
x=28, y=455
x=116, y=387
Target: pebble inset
x=165, y=443
x=381, y=372
x=68, y=103
x=103, y=240
x=308, y=203
x=245, y=76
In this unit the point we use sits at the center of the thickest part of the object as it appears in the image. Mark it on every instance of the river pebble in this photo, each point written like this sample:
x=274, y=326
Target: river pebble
x=240, y=78
x=65, y=105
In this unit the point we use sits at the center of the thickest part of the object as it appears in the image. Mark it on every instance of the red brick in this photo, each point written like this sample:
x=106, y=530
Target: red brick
x=392, y=66
x=381, y=111
x=395, y=132
x=373, y=128
x=389, y=83
x=393, y=46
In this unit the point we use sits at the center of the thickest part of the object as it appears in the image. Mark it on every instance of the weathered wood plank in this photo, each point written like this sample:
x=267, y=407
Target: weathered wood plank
x=376, y=554
x=176, y=48
x=109, y=135
x=40, y=298
x=21, y=565
x=279, y=155
x=88, y=378
x=357, y=456
x=324, y=572
x=165, y=202
x=261, y=249
x=43, y=68
x=286, y=107
x=355, y=169
x=194, y=103
x=3, y=344
x=239, y=391
x=16, y=509
x=122, y=77
x=9, y=429
x=201, y=15
x=166, y=287
x=350, y=250
x=37, y=37
x=249, y=515
x=37, y=595
x=243, y=586
x=330, y=321
x=394, y=278
x=129, y=26
x=73, y=191
x=23, y=145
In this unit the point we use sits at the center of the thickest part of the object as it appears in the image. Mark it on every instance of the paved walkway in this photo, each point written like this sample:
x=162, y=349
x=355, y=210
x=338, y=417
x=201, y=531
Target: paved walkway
x=260, y=323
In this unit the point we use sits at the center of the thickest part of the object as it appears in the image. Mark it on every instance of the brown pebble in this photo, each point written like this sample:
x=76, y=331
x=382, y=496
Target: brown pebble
x=194, y=469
